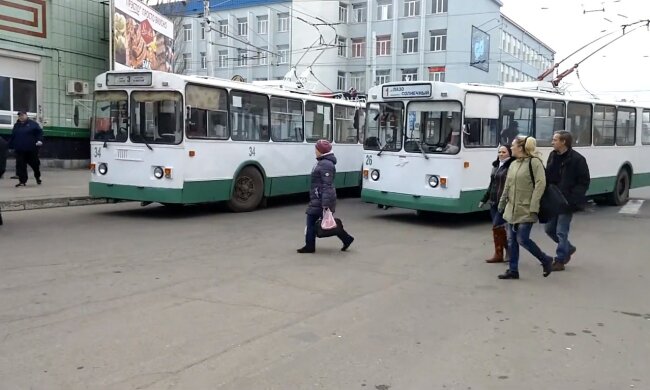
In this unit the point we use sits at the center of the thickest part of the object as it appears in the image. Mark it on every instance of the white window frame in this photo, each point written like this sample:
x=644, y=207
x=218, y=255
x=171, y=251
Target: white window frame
x=262, y=25
x=341, y=81
x=187, y=33
x=384, y=11
x=223, y=29
x=383, y=45
x=411, y=8
x=358, y=81
x=359, y=13
x=438, y=42
x=203, y=31
x=440, y=6
x=358, y=47
x=409, y=43
x=342, y=46
x=187, y=60
x=343, y=13
x=204, y=61
x=283, y=54
x=242, y=27
x=223, y=59
x=382, y=78
x=242, y=58
x=411, y=74
x=437, y=76
x=283, y=22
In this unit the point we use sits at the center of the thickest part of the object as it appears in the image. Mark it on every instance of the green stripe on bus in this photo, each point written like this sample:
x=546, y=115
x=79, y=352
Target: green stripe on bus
x=640, y=180
x=467, y=202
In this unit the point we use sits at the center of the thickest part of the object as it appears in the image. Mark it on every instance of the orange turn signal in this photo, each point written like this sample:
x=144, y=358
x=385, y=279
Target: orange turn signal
x=192, y=153
x=168, y=173
x=466, y=164
x=92, y=167
x=443, y=182
x=365, y=173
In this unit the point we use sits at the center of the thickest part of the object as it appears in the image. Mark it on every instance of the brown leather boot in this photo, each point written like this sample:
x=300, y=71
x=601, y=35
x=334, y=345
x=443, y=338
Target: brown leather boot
x=500, y=241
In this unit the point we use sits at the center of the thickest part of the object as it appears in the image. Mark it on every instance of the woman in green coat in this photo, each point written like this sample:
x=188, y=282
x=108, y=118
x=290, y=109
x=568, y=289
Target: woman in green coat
x=520, y=204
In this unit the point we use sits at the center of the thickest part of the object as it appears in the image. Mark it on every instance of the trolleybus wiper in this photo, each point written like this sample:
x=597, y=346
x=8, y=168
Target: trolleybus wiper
x=146, y=143
x=383, y=148
x=422, y=150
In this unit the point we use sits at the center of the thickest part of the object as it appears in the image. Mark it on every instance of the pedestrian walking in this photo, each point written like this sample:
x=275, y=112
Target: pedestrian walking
x=520, y=204
x=568, y=170
x=322, y=196
x=26, y=138
x=492, y=195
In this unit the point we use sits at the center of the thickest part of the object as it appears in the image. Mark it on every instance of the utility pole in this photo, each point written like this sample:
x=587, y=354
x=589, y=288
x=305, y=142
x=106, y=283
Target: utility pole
x=208, y=32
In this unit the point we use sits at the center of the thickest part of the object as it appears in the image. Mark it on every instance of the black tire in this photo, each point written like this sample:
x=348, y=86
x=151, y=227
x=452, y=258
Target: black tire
x=248, y=191
x=621, y=193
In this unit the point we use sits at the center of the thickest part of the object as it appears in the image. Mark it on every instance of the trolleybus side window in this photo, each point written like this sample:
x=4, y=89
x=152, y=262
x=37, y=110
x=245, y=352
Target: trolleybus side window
x=604, y=125
x=111, y=119
x=481, y=128
x=286, y=120
x=385, y=122
x=157, y=117
x=208, y=112
x=433, y=127
x=549, y=118
x=626, y=126
x=516, y=118
x=249, y=116
x=318, y=121
x=645, y=128
x=344, y=117
x=579, y=119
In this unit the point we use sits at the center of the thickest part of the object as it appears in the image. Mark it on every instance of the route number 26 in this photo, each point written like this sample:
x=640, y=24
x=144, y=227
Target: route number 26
x=368, y=159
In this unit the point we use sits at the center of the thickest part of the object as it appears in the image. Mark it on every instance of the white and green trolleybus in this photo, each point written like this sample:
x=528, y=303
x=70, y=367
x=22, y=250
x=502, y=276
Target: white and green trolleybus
x=429, y=145
x=174, y=139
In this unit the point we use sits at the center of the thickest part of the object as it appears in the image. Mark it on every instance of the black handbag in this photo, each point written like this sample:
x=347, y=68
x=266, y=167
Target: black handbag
x=322, y=233
x=553, y=201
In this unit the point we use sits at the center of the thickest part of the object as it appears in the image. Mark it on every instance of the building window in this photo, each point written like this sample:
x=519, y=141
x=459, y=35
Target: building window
x=436, y=73
x=223, y=59
x=382, y=76
x=242, y=57
x=343, y=13
x=410, y=74
x=411, y=8
x=358, y=47
x=16, y=95
x=223, y=28
x=187, y=60
x=359, y=13
x=342, y=44
x=242, y=27
x=439, y=6
x=410, y=43
x=204, y=61
x=384, y=10
x=283, y=22
x=202, y=31
x=358, y=81
x=438, y=40
x=283, y=54
x=263, y=56
x=262, y=25
x=383, y=45
x=340, y=81
x=187, y=33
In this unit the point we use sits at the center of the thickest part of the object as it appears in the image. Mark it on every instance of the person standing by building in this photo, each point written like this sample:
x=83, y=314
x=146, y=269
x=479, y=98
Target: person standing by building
x=520, y=204
x=568, y=170
x=492, y=195
x=3, y=156
x=322, y=196
x=26, y=138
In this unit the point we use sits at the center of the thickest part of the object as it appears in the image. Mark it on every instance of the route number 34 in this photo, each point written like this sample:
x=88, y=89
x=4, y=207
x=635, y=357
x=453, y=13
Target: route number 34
x=97, y=152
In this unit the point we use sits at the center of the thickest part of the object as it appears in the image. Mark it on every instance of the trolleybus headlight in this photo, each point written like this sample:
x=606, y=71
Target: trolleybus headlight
x=158, y=172
x=434, y=181
x=374, y=175
x=102, y=168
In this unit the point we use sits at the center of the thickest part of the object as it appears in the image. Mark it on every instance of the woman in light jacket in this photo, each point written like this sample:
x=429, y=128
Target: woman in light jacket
x=523, y=191
x=492, y=195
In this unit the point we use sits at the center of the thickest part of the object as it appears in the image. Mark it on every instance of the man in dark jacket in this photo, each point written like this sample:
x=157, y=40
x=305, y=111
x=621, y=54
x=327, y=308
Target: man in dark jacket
x=3, y=156
x=322, y=195
x=568, y=170
x=26, y=137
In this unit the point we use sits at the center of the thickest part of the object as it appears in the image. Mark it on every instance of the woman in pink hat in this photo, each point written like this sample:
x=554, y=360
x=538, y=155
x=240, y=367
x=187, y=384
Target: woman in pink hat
x=322, y=196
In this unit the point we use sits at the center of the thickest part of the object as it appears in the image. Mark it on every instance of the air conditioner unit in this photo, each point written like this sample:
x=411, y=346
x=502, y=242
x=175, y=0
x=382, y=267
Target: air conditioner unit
x=77, y=87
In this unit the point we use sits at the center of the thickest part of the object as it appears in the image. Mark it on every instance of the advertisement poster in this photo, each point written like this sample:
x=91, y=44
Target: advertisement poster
x=480, y=54
x=142, y=38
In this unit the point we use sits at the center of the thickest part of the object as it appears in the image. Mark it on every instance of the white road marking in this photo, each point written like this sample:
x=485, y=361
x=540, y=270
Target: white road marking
x=632, y=207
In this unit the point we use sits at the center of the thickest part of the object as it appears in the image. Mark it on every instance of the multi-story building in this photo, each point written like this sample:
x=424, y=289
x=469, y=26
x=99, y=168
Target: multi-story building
x=50, y=54
x=360, y=43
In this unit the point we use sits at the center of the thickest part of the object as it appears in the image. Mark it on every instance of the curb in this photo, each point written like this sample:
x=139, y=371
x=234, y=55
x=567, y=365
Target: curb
x=51, y=203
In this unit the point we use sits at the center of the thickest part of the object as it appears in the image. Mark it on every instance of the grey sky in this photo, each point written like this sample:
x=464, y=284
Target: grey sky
x=616, y=72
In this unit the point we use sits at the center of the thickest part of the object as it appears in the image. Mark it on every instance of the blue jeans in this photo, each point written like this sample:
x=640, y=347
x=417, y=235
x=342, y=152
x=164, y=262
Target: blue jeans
x=310, y=234
x=497, y=217
x=519, y=234
x=558, y=229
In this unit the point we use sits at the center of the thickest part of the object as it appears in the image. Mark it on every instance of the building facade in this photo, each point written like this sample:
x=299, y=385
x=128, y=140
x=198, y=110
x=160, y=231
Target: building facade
x=360, y=43
x=50, y=54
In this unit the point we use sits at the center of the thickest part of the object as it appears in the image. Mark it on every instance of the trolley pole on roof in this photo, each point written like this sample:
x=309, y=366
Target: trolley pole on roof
x=208, y=31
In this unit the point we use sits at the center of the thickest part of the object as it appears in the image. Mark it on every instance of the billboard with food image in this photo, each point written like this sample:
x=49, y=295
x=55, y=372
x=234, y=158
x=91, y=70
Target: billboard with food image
x=142, y=38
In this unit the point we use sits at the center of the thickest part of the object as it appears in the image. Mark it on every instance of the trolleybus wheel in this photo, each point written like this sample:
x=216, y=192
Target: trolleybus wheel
x=621, y=192
x=248, y=192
